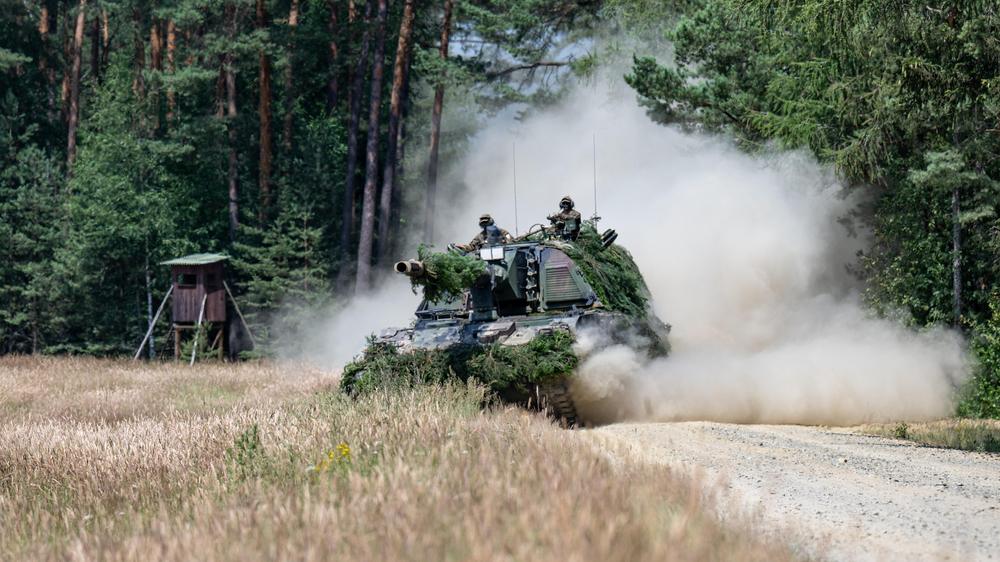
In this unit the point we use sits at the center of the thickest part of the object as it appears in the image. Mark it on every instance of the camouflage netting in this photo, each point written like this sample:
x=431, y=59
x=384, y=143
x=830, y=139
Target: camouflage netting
x=610, y=271
x=509, y=371
x=448, y=273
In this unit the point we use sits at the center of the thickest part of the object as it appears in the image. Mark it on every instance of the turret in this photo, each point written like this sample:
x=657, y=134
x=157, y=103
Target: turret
x=510, y=280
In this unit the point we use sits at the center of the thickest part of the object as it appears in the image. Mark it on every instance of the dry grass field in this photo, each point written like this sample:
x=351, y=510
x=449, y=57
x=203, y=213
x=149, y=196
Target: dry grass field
x=105, y=460
x=961, y=433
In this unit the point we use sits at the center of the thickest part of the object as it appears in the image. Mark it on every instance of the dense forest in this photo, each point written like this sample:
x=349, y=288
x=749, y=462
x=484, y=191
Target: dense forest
x=135, y=131
x=305, y=137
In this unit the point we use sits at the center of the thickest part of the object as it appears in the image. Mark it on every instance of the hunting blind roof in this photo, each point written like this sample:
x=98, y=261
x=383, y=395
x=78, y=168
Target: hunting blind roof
x=196, y=259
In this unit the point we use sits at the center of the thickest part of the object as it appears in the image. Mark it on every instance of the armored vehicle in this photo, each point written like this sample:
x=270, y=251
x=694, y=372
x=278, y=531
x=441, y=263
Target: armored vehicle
x=512, y=316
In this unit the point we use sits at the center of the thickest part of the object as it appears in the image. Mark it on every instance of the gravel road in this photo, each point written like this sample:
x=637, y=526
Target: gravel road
x=835, y=494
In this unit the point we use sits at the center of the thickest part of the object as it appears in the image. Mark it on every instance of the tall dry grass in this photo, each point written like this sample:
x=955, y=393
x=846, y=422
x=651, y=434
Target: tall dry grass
x=981, y=435
x=115, y=461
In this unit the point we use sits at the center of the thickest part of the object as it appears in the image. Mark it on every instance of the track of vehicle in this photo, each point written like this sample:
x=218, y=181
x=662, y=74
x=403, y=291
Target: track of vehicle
x=556, y=399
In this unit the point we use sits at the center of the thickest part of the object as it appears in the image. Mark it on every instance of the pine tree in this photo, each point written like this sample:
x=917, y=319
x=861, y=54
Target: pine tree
x=286, y=274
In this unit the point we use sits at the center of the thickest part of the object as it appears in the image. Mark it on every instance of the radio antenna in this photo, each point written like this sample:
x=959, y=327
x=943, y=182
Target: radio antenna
x=513, y=158
x=595, y=176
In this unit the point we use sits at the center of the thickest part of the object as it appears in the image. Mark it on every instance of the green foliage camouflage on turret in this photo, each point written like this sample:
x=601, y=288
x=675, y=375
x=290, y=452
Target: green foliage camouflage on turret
x=610, y=271
x=509, y=371
x=448, y=273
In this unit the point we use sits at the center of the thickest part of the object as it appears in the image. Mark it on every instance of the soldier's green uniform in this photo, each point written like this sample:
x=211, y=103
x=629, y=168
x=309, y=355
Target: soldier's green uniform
x=566, y=222
x=486, y=221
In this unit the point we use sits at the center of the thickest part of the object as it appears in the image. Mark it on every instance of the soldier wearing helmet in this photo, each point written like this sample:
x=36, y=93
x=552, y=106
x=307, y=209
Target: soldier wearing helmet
x=489, y=235
x=566, y=222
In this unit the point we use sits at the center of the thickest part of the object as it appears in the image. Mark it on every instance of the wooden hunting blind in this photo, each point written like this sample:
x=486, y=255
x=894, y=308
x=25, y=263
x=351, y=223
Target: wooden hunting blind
x=195, y=278
x=199, y=289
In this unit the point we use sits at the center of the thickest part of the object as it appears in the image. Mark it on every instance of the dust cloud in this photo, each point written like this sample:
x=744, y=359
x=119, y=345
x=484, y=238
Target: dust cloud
x=747, y=256
x=335, y=341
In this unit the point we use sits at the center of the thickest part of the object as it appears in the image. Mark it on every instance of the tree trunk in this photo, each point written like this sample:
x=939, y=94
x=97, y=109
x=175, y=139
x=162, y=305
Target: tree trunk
x=43, y=35
x=363, y=281
x=171, y=68
x=34, y=331
x=396, y=102
x=74, y=86
x=105, y=39
x=45, y=24
x=401, y=143
x=95, y=49
x=353, y=123
x=956, y=258
x=230, y=83
x=220, y=89
x=332, y=84
x=155, y=45
x=189, y=41
x=139, y=56
x=155, y=64
x=264, y=112
x=286, y=133
x=432, y=161
x=67, y=47
x=151, y=349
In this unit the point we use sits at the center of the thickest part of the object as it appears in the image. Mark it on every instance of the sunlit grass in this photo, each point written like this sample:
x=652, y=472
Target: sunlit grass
x=964, y=434
x=103, y=460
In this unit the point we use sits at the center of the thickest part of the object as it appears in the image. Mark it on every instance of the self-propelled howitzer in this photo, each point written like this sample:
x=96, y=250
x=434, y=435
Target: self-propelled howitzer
x=509, y=315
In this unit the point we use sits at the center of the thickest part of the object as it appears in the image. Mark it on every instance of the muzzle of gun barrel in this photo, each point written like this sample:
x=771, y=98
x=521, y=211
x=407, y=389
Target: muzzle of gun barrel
x=410, y=268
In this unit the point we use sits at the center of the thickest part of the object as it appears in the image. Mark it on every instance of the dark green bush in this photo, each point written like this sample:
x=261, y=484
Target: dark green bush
x=982, y=395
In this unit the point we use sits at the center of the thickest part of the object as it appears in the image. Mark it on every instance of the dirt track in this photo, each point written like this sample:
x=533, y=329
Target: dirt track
x=835, y=494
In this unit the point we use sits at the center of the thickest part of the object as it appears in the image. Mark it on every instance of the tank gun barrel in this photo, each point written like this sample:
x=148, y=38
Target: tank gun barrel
x=411, y=268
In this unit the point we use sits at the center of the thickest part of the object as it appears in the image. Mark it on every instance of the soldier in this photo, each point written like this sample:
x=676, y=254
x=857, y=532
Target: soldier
x=490, y=234
x=566, y=222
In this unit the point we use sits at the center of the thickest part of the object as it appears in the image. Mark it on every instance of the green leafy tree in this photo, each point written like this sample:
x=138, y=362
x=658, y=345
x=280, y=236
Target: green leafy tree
x=901, y=97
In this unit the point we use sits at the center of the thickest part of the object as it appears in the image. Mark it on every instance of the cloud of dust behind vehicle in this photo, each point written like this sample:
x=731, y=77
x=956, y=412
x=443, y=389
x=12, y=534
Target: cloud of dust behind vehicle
x=747, y=256
x=333, y=342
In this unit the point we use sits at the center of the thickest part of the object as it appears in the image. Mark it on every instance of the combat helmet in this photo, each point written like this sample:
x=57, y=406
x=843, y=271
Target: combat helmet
x=567, y=200
x=485, y=220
